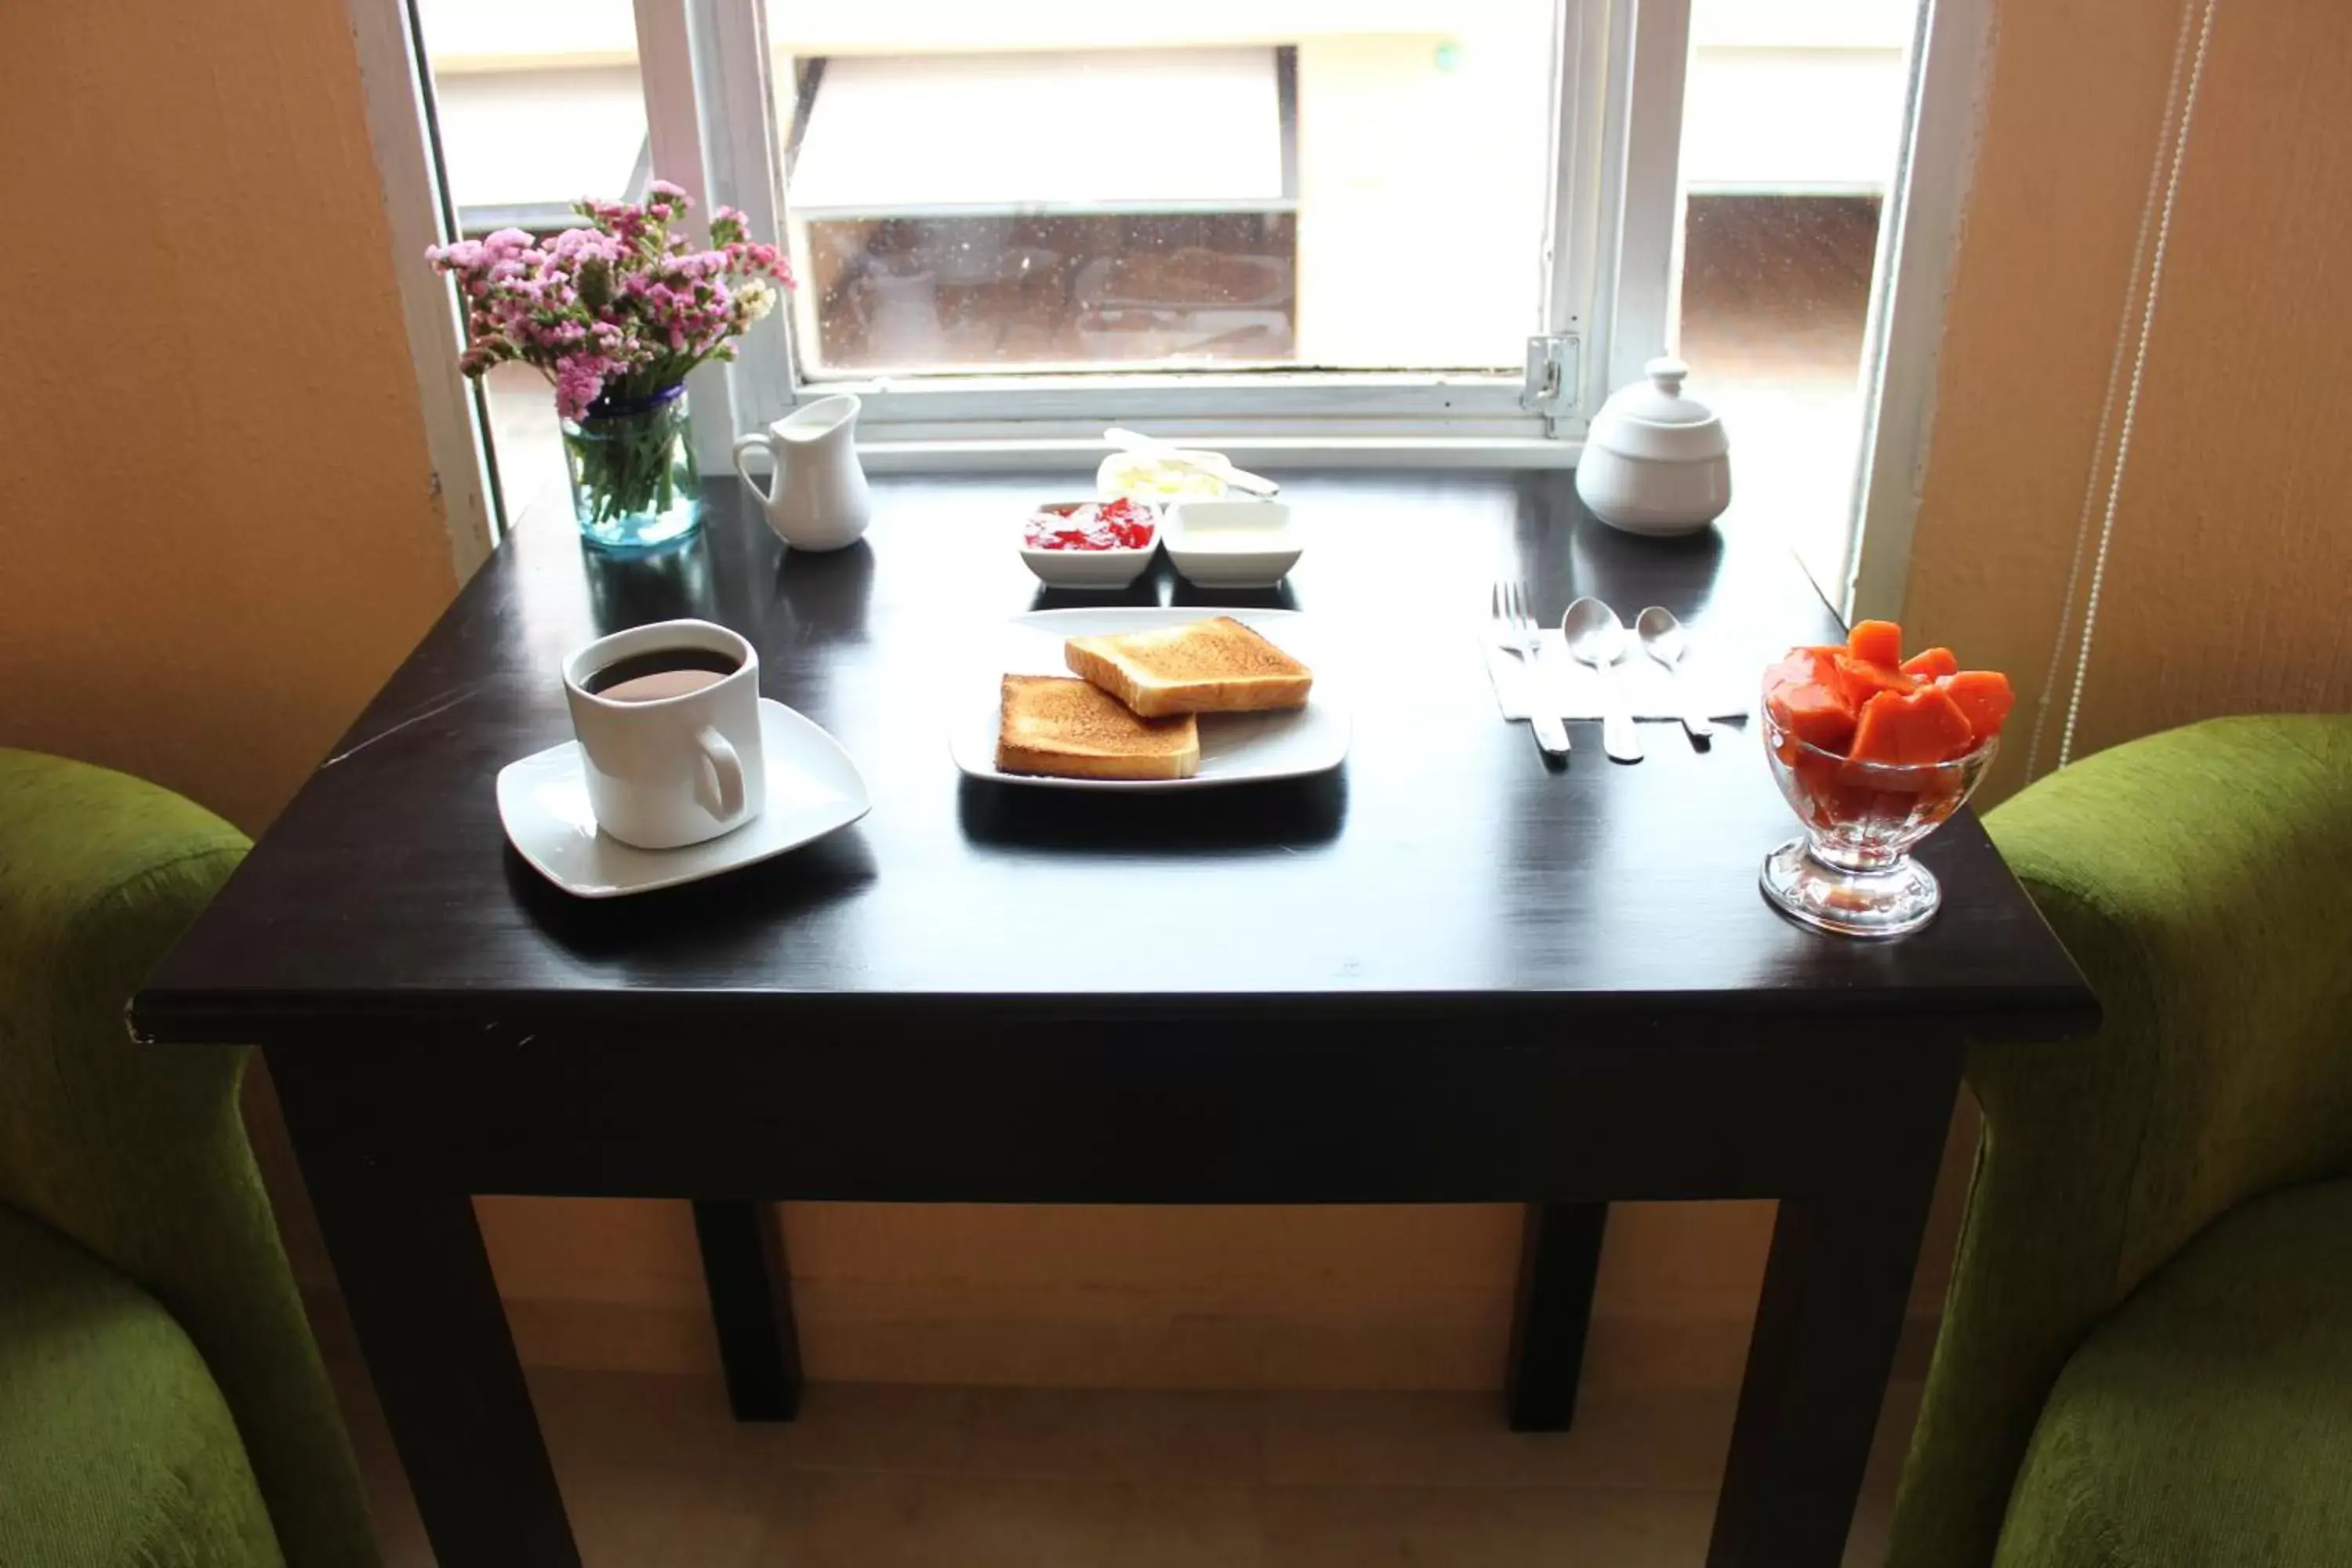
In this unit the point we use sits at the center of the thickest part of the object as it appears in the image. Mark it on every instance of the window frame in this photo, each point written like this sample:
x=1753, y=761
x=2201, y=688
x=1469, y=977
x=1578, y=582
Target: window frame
x=393, y=86
x=1919, y=245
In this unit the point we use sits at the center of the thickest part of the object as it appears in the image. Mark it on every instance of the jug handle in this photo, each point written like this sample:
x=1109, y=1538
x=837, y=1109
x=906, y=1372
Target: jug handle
x=757, y=441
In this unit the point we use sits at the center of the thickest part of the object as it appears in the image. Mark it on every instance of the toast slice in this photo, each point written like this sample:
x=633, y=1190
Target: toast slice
x=1207, y=667
x=1066, y=729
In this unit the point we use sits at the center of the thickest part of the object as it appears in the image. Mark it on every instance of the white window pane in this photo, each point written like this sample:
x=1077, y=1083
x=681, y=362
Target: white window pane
x=923, y=134
x=502, y=158
x=1792, y=122
x=1283, y=183
x=539, y=106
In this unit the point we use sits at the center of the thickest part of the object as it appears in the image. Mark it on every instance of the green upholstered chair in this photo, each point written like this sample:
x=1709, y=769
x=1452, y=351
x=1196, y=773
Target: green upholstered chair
x=2147, y=1355
x=162, y=1402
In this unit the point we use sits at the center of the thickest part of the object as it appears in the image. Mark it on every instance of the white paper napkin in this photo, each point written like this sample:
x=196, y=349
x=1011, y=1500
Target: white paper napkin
x=1574, y=690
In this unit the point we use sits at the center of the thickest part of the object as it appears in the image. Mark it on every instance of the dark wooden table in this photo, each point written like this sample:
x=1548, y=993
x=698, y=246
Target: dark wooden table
x=1443, y=974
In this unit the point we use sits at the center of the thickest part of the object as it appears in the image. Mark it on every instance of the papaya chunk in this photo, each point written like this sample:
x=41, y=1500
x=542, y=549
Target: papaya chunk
x=1809, y=701
x=1816, y=713
x=1864, y=680
x=1911, y=729
x=1855, y=701
x=1877, y=642
x=1829, y=802
x=1931, y=664
x=1983, y=698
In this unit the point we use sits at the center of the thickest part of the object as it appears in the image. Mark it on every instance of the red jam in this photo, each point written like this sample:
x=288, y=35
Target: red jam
x=1106, y=525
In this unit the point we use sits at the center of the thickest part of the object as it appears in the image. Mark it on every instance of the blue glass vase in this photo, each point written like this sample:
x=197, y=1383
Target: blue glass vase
x=633, y=484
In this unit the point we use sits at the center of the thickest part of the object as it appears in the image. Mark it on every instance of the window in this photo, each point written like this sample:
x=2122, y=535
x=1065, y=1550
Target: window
x=1445, y=227
x=1288, y=188
x=536, y=105
x=1791, y=141
x=1019, y=220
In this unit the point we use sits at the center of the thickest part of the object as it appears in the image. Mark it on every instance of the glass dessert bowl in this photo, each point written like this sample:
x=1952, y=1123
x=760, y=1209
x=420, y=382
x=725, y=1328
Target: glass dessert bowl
x=1851, y=872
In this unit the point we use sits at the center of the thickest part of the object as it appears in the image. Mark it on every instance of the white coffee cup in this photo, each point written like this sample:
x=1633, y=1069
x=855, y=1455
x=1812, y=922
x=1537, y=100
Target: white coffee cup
x=670, y=746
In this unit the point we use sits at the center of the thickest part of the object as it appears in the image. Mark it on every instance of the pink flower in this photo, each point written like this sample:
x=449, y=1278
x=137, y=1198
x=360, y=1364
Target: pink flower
x=460, y=256
x=579, y=380
x=621, y=306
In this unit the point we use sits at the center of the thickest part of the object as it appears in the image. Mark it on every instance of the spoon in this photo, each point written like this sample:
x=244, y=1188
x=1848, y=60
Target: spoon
x=1662, y=638
x=1597, y=636
x=1216, y=463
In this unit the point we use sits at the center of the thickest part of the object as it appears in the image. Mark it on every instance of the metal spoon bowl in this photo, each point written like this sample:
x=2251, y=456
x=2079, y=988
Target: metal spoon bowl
x=1594, y=633
x=1597, y=636
x=1663, y=639
x=1661, y=634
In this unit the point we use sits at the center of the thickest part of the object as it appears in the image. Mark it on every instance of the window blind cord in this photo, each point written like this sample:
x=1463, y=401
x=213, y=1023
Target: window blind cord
x=2099, y=455
x=2131, y=397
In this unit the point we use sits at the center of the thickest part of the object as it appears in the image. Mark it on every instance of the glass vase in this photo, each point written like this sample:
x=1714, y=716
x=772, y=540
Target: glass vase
x=633, y=484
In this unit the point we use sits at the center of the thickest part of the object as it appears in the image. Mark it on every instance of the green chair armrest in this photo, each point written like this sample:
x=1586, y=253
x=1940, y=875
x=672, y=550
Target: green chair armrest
x=2197, y=878
x=139, y=1153
x=98, y=875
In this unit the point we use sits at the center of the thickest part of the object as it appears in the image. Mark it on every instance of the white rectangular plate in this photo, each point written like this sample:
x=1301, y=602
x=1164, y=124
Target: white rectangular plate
x=1235, y=748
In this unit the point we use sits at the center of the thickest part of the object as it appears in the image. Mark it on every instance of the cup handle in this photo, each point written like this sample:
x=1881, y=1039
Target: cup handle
x=757, y=441
x=719, y=782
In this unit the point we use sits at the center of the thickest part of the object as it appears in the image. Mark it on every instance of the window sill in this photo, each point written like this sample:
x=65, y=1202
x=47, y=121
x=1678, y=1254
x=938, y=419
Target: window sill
x=1083, y=455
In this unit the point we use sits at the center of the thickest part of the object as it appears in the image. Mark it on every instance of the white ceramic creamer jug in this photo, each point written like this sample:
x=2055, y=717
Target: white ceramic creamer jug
x=819, y=500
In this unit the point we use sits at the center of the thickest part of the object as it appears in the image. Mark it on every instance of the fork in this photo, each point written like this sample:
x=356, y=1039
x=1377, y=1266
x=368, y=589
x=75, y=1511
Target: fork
x=1517, y=634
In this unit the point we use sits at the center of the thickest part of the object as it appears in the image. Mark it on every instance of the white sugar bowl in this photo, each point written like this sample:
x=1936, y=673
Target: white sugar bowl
x=1654, y=461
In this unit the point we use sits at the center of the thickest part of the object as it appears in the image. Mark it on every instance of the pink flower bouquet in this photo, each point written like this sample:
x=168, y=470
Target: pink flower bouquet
x=615, y=316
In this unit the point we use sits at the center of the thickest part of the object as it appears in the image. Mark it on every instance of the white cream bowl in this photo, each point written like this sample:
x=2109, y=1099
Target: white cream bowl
x=1232, y=543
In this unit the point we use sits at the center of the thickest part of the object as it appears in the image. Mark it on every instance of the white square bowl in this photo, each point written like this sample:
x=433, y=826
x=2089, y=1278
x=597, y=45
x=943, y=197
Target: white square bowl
x=1098, y=569
x=1232, y=543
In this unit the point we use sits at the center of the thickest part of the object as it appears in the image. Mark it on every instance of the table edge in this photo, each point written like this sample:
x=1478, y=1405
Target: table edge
x=2050, y=1013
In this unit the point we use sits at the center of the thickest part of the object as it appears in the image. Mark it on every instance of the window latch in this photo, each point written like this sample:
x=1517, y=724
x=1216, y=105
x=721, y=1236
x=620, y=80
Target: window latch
x=1555, y=371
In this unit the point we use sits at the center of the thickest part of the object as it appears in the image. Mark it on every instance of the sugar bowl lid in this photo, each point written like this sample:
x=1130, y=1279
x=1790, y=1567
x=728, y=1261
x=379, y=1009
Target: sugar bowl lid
x=1652, y=419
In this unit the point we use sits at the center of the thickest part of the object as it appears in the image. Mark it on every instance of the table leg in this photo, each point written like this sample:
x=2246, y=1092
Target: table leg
x=751, y=1286
x=418, y=1284
x=1559, y=1257
x=1832, y=1309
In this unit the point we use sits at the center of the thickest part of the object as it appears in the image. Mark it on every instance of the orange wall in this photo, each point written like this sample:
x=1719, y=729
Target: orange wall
x=2234, y=536
x=218, y=532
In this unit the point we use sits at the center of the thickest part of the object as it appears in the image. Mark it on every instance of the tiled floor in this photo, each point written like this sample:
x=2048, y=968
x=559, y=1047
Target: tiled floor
x=872, y=1476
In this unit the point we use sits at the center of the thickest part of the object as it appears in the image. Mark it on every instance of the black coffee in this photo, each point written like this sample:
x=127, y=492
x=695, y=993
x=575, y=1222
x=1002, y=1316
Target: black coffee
x=661, y=672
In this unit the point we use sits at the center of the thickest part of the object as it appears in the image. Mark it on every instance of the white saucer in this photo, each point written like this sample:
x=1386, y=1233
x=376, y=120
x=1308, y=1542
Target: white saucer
x=813, y=789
